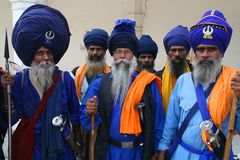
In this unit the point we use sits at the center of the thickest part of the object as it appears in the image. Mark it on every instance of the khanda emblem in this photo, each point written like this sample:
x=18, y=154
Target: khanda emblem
x=207, y=32
x=49, y=35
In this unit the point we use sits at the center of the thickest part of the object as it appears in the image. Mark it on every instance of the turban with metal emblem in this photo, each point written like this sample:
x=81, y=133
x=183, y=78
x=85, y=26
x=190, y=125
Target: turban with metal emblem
x=147, y=46
x=123, y=36
x=96, y=37
x=178, y=36
x=40, y=26
x=212, y=29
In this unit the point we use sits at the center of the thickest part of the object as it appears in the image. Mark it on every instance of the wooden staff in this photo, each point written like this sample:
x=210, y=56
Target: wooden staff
x=6, y=56
x=92, y=136
x=230, y=128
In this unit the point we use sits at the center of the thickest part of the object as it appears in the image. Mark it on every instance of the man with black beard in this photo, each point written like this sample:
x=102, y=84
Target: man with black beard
x=96, y=43
x=177, y=47
x=44, y=97
x=147, y=54
x=199, y=107
x=126, y=104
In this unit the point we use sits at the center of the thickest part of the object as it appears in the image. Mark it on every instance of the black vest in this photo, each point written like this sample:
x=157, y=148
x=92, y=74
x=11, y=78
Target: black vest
x=105, y=106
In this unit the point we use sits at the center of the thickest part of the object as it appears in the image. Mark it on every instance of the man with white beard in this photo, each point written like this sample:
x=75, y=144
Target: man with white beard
x=96, y=43
x=200, y=104
x=126, y=105
x=43, y=97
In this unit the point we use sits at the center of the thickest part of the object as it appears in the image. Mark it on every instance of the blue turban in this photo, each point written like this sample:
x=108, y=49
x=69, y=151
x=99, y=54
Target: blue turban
x=178, y=36
x=147, y=46
x=212, y=29
x=96, y=37
x=40, y=26
x=123, y=36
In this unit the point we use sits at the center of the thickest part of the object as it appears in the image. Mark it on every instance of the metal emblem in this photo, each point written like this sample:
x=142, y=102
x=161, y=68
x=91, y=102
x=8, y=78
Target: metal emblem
x=206, y=125
x=208, y=31
x=57, y=121
x=49, y=35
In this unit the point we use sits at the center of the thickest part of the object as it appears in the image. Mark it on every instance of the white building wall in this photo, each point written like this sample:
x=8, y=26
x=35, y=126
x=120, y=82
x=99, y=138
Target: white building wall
x=154, y=17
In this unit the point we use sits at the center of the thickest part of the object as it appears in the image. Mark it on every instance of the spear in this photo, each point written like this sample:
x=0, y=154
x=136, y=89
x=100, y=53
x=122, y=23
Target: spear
x=6, y=56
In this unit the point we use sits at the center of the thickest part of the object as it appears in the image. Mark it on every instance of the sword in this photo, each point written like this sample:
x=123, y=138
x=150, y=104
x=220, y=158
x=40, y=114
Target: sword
x=6, y=56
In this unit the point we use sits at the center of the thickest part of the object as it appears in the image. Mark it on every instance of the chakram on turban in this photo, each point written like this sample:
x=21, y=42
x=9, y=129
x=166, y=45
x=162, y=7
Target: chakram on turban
x=40, y=26
x=212, y=29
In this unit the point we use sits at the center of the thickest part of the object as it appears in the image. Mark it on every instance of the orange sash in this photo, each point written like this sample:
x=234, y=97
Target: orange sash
x=220, y=100
x=130, y=117
x=80, y=73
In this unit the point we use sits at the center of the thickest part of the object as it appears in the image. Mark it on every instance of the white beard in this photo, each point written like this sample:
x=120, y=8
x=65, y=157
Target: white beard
x=42, y=73
x=122, y=70
x=206, y=73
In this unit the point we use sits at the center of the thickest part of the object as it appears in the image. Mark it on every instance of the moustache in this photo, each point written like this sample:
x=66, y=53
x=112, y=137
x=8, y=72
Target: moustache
x=205, y=61
x=122, y=61
x=45, y=64
x=95, y=58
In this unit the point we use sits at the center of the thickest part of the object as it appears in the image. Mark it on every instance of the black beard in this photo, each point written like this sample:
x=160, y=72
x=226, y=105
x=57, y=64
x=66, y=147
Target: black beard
x=177, y=69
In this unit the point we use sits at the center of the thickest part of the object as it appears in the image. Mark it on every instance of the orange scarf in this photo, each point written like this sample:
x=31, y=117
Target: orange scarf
x=130, y=117
x=1, y=69
x=220, y=100
x=80, y=73
x=168, y=82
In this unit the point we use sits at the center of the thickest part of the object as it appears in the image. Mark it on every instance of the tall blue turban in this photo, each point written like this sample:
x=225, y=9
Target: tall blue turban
x=147, y=46
x=96, y=37
x=178, y=36
x=123, y=36
x=40, y=26
x=212, y=29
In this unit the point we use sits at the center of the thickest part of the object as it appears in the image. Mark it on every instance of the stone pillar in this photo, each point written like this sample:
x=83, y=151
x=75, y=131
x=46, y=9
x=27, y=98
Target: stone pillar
x=135, y=10
x=18, y=7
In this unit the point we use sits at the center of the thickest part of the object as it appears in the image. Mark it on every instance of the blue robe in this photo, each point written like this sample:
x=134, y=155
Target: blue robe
x=2, y=129
x=114, y=152
x=26, y=99
x=181, y=101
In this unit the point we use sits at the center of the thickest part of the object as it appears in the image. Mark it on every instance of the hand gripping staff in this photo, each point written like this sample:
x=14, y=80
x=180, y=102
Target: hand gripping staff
x=230, y=127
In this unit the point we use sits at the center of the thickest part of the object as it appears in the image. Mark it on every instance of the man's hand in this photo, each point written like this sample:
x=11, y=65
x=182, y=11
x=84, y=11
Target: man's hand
x=6, y=79
x=154, y=157
x=92, y=106
x=161, y=155
x=235, y=84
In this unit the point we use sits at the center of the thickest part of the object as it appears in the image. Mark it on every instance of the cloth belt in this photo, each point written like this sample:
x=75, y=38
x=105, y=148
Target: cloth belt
x=130, y=144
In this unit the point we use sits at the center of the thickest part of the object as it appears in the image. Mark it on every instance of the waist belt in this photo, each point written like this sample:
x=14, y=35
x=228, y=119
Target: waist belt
x=130, y=144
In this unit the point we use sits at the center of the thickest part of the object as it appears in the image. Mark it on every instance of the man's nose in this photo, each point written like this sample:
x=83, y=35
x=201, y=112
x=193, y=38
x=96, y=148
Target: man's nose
x=45, y=56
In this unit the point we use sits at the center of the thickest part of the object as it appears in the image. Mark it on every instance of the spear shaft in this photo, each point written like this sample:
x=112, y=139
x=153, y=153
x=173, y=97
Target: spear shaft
x=6, y=56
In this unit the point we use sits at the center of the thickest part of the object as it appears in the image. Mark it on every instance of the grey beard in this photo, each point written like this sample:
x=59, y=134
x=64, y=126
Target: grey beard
x=122, y=74
x=94, y=67
x=206, y=73
x=177, y=69
x=42, y=73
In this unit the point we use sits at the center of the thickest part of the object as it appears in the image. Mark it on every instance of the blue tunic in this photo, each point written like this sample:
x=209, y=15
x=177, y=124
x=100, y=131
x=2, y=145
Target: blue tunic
x=26, y=100
x=114, y=152
x=2, y=129
x=181, y=101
